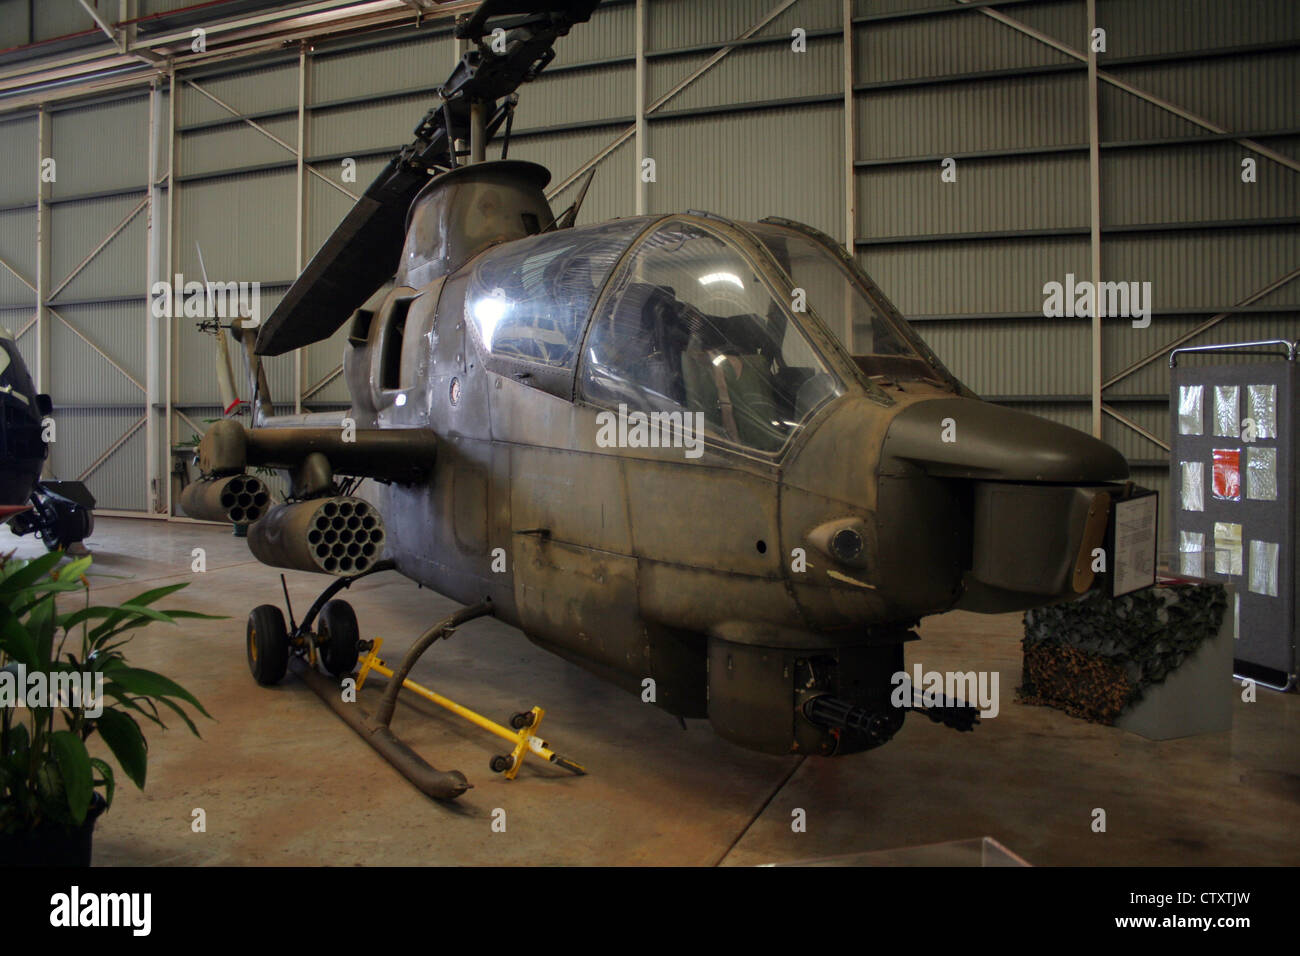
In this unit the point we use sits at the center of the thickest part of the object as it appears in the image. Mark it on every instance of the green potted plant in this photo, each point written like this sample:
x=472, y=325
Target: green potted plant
x=68, y=673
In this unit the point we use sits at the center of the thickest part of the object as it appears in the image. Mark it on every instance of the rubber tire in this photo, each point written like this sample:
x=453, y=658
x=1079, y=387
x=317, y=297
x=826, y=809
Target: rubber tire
x=339, y=637
x=267, y=645
x=499, y=764
x=521, y=720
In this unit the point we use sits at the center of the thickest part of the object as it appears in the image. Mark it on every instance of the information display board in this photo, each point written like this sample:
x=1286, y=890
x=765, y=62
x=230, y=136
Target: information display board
x=1233, y=494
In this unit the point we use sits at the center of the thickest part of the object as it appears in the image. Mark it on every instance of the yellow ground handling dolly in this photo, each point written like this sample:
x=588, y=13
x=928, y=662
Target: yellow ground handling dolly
x=525, y=724
x=337, y=646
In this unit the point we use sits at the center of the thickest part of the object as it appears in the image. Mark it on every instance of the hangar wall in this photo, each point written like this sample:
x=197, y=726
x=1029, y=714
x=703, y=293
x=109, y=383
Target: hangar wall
x=998, y=87
x=967, y=261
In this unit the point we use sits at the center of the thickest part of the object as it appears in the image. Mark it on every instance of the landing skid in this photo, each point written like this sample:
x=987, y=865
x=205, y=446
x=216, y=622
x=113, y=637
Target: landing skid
x=525, y=723
x=335, y=645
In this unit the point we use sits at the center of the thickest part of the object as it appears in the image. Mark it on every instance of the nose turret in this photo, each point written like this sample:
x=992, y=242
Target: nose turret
x=1034, y=499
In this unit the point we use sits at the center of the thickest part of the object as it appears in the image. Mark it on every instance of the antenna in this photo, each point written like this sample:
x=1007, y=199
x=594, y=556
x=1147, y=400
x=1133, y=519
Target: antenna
x=225, y=376
x=570, y=215
x=207, y=286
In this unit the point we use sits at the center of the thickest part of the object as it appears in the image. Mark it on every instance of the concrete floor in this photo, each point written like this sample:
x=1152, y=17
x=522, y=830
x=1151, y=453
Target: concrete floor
x=283, y=781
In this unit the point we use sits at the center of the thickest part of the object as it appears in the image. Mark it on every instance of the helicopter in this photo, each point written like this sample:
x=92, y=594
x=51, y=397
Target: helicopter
x=639, y=442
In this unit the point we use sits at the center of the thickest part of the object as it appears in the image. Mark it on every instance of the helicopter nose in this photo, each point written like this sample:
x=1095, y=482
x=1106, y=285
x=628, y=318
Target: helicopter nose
x=968, y=438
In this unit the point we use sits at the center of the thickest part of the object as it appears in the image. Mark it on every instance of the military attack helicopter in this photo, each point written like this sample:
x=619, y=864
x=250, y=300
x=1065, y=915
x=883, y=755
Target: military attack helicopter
x=639, y=442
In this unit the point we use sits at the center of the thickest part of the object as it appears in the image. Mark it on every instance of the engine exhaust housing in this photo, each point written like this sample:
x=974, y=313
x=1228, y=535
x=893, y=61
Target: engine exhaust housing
x=334, y=535
x=239, y=499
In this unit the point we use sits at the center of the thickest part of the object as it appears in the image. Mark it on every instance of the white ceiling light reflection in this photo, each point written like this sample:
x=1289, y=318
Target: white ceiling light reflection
x=713, y=278
x=488, y=312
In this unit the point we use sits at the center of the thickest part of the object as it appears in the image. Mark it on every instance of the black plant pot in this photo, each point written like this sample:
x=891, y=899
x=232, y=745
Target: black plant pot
x=52, y=845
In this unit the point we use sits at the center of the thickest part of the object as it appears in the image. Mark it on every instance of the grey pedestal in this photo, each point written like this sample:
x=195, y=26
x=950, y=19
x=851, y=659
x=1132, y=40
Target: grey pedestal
x=1197, y=697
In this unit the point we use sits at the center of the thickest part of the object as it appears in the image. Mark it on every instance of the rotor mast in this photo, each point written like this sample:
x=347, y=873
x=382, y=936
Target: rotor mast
x=509, y=43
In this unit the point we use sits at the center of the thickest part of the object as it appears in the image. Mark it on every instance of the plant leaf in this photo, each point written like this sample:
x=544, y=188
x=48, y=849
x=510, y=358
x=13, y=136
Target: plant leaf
x=73, y=618
x=74, y=570
x=148, y=597
x=184, y=716
x=16, y=641
x=74, y=767
x=149, y=612
x=140, y=681
x=123, y=736
x=98, y=640
x=127, y=702
x=40, y=625
x=21, y=574
x=109, y=781
x=19, y=741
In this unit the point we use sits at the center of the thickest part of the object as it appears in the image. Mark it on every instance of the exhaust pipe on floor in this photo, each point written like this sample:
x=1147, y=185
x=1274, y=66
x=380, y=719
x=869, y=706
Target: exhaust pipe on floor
x=238, y=499
x=335, y=535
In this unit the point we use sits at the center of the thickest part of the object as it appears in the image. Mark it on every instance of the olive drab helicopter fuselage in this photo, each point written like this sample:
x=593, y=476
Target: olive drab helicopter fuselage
x=642, y=443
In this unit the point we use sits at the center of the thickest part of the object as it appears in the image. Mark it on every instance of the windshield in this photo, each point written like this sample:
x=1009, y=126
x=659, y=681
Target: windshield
x=690, y=326
x=832, y=294
x=528, y=300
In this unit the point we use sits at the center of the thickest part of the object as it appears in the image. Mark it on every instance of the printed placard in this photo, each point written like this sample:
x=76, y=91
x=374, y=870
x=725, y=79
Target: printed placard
x=1135, y=544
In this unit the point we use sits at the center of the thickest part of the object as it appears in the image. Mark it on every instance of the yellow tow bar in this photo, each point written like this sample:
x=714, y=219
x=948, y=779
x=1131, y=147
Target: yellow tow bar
x=524, y=739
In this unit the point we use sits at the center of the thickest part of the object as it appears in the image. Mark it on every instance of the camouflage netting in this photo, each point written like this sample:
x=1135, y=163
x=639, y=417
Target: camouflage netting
x=1096, y=656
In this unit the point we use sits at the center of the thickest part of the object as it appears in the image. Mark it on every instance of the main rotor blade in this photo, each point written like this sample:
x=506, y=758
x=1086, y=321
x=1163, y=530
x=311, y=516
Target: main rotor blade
x=365, y=249
x=359, y=256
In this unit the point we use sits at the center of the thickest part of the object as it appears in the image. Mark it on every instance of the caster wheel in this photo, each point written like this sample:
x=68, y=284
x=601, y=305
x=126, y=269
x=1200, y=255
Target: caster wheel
x=268, y=645
x=499, y=764
x=339, y=638
x=522, y=719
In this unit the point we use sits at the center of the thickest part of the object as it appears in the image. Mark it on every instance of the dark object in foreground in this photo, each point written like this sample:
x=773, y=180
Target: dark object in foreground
x=61, y=515
x=51, y=844
x=60, y=512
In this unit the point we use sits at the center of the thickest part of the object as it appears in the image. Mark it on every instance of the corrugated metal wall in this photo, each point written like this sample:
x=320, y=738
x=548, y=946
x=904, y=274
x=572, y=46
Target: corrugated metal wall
x=1012, y=110
x=97, y=360
x=760, y=133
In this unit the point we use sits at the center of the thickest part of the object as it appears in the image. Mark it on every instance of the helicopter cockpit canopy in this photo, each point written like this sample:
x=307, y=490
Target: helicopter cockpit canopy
x=673, y=314
x=530, y=300
x=691, y=324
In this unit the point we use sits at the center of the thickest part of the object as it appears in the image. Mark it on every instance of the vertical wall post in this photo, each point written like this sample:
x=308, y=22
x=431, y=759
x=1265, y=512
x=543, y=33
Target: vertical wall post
x=170, y=324
x=850, y=152
x=154, y=472
x=126, y=13
x=44, y=147
x=1094, y=216
x=641, y=144
x=300, y=355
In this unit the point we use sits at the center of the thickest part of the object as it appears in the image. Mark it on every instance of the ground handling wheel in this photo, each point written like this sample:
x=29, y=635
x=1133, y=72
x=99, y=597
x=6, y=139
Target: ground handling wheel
x=338, y=636
x=522, y=719
x=267, y=644
x=500, y=763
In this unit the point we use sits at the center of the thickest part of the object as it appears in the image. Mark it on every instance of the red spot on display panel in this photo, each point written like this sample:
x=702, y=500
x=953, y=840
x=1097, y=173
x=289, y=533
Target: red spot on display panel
x=1227, y=474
